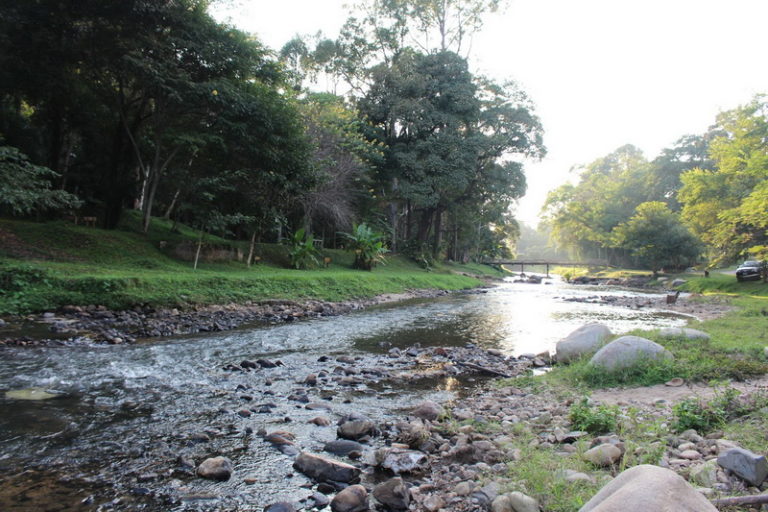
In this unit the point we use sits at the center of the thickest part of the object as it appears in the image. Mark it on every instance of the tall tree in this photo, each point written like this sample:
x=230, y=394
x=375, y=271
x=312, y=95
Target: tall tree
x=726, y=205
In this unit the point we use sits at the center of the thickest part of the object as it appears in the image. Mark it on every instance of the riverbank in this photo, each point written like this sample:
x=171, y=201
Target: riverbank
x=72, y=282
x=78, y=325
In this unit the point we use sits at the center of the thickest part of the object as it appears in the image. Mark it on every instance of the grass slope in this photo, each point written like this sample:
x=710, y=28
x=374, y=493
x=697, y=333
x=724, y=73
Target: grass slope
x=46, y=265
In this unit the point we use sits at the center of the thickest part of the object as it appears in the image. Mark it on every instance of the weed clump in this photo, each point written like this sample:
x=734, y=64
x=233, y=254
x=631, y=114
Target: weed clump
x=595, y=420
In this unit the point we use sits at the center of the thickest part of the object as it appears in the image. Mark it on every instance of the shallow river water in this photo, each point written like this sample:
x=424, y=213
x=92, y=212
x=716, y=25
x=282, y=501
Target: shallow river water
x=127, y=412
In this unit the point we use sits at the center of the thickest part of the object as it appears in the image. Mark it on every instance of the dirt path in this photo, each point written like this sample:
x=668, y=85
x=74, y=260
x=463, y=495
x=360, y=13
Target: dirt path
x=651, y=395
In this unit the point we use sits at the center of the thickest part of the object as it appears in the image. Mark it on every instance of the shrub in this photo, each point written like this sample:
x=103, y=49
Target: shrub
x=368, y=246
x=693, y=413
x=303, y=253
x=595, y=420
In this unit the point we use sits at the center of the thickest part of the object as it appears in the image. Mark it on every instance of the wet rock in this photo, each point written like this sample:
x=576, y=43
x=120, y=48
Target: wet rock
x=463, y=488
x=320, y=499
x=393, y=493
x=603, y=455
x=320, y=421
x=626, y=351
x=342, y=447
x=399, y=460
x=514, y=502
x=355, y=427
x=352, y=499
x=215, y=468
x=585, y=340
x=322, y=469
x=643, y=488
x=428, y=410
x=433, y=503
x=747, y=465
x=280, y=507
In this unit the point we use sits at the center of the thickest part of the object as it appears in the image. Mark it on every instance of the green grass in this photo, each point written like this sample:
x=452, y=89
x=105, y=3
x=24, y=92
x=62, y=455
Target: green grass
x=123, y=267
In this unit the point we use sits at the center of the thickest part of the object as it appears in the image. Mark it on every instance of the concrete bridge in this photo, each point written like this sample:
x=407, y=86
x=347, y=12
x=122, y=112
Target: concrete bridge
x=547, y=263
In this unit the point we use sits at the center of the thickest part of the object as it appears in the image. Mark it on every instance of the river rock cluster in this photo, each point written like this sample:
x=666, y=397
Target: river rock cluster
x=457, y=457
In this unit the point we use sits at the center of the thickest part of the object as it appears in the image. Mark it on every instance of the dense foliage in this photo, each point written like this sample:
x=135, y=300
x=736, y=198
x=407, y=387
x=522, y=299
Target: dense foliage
x=156, y=106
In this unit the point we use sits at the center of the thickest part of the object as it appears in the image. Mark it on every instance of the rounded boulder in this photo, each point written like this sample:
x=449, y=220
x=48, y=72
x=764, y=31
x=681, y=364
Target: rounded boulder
x=585, y=340
x=628, y=351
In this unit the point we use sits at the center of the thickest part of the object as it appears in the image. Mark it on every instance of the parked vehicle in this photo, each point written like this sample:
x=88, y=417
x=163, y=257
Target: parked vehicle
x=750, y=270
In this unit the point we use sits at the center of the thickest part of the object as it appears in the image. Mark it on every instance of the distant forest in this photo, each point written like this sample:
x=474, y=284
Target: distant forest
x=705, y=199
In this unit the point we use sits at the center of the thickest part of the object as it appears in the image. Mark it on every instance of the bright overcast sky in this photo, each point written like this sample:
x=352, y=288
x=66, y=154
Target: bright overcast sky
x=602, y=73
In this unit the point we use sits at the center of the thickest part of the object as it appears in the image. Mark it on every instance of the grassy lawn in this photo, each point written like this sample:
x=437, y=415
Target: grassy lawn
x=70, y=264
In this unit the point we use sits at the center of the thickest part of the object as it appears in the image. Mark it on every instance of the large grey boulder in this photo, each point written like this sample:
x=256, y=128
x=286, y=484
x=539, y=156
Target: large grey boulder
x=684, y=332
x=644, y=488
x=627, y=351
x=750, y=466
x=583, y=341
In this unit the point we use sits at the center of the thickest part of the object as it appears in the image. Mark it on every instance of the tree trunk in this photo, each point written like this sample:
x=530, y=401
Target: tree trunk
x=424, y=224
x=438, y=235
x=250, y=250
x=167, y=215
x=199, y=246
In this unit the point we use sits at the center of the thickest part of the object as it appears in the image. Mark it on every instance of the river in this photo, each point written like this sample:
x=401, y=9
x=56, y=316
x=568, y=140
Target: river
x=126, y=413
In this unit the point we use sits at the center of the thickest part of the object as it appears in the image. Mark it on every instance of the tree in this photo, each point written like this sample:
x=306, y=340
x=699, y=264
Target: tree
x=655, y=238
x=726, y=205
x=25, y=188
x=583, y=216
x=448, y=138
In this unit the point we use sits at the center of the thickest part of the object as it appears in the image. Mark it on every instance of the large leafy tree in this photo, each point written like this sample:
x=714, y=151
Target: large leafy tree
x=656, y=238
x=726, y=205
x=142, y=91
x=26, y=188
x=447, y=136
x=583, y=216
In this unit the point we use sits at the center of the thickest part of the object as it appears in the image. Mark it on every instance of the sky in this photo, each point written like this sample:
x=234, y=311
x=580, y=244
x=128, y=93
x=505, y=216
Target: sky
x=602, y=73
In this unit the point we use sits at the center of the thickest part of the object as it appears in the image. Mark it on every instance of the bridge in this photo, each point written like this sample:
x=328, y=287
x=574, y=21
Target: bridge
x=547, y=264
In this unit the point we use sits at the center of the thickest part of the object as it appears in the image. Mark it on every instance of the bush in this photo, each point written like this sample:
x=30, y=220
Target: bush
x=303, y=253
x=368, y=246
x=595, y=420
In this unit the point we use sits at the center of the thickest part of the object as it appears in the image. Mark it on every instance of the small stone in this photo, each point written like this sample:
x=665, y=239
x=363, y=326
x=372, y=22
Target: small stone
x=393, y=493
x=704, y=474
x=215, y=468
x=603, y=455
x=280, y=507
x=433, y=503
x=690, y=455
x=463, y=488
x=320, y=421
x=515, y=502
x=428, y=410
x=352, y=499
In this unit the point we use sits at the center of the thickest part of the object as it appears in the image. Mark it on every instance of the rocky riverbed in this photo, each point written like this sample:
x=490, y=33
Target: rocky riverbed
x=463, y=456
